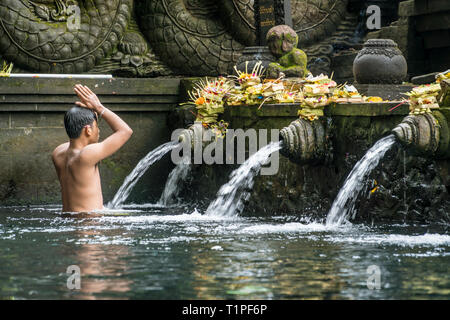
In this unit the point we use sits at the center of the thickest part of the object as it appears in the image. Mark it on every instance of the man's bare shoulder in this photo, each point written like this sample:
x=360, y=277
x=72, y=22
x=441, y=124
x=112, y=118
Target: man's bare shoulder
x=88, y=153
x=60, y=149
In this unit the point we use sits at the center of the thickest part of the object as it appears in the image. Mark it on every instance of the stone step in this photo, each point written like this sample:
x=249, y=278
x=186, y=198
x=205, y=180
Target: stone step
x=430, y=6
x=424, y=79
x=119, y=94
x=432, y=22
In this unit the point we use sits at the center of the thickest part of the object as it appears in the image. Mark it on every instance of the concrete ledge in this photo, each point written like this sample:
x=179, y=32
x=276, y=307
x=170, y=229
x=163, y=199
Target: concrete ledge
x=386, y=91
x=119, y=94
x=367, y=109
x=267, y=110
x=335, y=109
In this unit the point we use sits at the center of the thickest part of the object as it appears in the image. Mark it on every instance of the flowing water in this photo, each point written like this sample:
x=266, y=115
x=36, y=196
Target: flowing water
x=148, y=252
x=172, y=187
x=344, y=204
x=231, y=196
x=131, y=180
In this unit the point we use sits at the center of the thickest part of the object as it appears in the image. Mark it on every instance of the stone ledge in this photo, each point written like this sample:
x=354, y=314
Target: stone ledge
x=427, y=6
x=267, y=110
x=61, y=107
x=386, y=91
x=367, y=109
x=114, y=86
x=433, y=21
x=335, y=109
x=118, y=94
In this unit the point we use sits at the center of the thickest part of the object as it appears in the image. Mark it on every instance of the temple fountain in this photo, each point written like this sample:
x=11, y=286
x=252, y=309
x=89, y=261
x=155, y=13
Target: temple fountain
x=179, y=39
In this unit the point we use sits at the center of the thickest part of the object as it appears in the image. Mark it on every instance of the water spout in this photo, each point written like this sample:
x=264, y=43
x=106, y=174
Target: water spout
x=304, y=141
x=232, y=196
x=194, y=134
x=344, y=205
x=426, y=134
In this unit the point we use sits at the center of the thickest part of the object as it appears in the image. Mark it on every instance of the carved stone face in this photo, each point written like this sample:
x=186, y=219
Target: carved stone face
x=281, y=40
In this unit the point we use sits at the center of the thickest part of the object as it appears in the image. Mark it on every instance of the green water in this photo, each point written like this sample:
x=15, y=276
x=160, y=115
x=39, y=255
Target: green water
x=146, y=252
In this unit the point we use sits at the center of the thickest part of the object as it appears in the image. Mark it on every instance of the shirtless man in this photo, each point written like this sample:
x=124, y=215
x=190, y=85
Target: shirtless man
x=76, y=161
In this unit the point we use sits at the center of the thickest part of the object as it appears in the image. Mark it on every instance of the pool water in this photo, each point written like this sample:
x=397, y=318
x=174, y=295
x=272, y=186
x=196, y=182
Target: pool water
x=151, y=252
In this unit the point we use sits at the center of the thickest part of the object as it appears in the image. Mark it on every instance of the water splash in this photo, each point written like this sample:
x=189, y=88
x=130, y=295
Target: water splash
x=231, y=196
x=131, y=180
x=344, y=204
x=172, y=188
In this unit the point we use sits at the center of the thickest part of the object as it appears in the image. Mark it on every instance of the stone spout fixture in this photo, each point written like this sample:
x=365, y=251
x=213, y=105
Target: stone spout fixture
x=305, y=142
x=193, y=134
x=426, y=134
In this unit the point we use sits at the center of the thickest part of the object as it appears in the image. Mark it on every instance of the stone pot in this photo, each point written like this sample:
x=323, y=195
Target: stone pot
x=380, y=61
x=253, y=55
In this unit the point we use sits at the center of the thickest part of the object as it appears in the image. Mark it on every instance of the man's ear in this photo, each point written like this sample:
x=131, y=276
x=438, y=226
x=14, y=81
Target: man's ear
x=88, y=130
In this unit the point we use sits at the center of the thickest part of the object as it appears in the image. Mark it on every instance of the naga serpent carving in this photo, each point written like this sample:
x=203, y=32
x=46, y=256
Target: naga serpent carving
x=185, y=37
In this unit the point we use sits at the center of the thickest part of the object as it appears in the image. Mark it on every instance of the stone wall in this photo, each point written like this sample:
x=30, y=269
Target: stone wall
x=32, y=125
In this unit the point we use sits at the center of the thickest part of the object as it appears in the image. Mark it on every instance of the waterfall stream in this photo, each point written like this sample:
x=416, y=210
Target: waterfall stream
x=172, y=188
x=231, y=196
x=344, y=204
x=131, y=180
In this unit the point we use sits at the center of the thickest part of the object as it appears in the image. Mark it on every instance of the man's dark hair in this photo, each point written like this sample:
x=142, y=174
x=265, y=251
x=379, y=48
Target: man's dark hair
x=76, y=119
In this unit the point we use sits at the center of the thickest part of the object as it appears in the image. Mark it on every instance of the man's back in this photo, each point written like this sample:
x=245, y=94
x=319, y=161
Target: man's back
x=80, y=182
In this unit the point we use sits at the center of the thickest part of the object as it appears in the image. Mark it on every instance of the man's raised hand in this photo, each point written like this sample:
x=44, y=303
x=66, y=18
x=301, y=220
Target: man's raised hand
x=88, y=98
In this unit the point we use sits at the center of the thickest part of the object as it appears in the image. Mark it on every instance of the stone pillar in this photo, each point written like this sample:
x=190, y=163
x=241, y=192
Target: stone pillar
x=269, y=13
x=264, y=18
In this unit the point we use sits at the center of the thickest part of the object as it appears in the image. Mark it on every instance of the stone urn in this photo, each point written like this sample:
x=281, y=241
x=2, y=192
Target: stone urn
x=253, y=55
x=380, y=62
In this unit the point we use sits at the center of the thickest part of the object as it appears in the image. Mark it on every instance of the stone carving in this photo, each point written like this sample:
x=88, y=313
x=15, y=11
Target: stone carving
x=380, y=61
x=38, y=45
x=282, y=42
x=426, y=135
x=316, y=19
x=305, y=142
x=61, y=12
x=186, y=37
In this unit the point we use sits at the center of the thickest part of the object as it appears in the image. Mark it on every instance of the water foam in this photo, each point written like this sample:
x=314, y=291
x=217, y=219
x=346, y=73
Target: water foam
x=428, y=239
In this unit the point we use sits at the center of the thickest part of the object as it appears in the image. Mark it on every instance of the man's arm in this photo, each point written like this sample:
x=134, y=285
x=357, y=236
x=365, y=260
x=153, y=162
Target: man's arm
x=122, y=132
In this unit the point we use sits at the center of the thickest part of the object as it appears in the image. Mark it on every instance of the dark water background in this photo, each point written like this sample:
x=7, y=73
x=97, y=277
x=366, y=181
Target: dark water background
x=149, y=252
